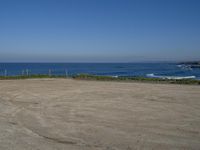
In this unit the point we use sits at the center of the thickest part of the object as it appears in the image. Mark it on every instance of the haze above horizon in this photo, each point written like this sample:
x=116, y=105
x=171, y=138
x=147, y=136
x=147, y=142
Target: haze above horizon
x=99, y=30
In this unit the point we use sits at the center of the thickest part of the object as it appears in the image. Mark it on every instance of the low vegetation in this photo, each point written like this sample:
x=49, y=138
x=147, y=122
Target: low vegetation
x=107, y=78
x=139, y=79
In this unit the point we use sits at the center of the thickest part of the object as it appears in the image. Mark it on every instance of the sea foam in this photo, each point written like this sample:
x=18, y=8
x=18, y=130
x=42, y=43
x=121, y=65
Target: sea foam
x=170, y=77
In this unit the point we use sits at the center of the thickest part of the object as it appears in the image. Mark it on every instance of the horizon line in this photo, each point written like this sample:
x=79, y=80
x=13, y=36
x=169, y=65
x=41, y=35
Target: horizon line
x=103, y=62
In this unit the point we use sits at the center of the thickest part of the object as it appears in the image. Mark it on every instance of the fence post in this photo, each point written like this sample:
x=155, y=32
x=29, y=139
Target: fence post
x=5, y=73
x=27, y=72
x=66, y=72
x=49, y=72
x=22, y=72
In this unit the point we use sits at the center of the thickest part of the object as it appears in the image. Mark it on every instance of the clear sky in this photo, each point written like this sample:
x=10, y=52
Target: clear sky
x=99, y=30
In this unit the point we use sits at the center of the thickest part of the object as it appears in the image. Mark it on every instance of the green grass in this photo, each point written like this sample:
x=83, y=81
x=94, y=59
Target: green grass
x=138, y=79
x=107, y=78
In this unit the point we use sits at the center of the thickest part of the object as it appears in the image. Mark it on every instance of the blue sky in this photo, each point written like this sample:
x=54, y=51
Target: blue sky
x=99, y=30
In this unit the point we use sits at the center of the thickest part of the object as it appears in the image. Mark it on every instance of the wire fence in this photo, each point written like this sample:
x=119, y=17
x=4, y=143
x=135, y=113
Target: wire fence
x=29, y=72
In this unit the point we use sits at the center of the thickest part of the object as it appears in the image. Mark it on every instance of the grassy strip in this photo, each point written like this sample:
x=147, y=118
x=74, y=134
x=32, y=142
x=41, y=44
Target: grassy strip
x=108, y=78
x=140, y=79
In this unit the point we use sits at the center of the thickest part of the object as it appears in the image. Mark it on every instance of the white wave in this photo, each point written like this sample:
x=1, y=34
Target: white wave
x=180, y=66
x=115, y=76
x=170, y=77
x=185, y=67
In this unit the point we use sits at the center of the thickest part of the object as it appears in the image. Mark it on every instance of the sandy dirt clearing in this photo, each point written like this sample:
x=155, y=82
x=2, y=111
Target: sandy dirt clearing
x=66, y=114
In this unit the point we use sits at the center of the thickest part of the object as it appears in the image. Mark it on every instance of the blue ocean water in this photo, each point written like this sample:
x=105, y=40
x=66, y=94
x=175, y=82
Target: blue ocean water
x=108, y=69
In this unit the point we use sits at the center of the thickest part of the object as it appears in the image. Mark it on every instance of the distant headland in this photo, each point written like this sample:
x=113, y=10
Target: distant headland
x=192, y=64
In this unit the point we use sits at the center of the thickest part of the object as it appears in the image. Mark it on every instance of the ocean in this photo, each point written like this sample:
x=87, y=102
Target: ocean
x=156, y=70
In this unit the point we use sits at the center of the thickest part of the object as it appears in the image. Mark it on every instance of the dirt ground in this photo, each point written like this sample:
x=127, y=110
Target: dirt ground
x=66, y=114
